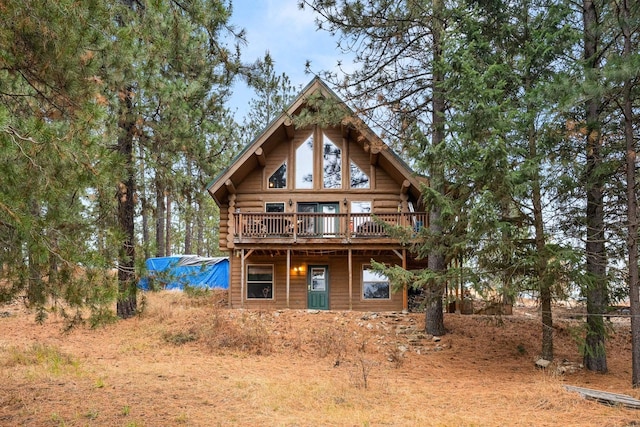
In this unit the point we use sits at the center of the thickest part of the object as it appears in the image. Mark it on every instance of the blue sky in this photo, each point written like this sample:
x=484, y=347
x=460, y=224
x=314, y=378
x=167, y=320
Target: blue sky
x=289, y=34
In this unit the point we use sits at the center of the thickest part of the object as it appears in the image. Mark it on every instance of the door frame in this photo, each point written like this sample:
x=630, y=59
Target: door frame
x=319, y=226
x=311, y=293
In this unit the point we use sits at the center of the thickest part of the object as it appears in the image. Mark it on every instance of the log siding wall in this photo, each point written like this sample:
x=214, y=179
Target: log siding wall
x=338, y=275
x=251, y=195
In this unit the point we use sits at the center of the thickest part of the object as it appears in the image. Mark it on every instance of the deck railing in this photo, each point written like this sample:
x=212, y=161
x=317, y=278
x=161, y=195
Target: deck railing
x=303, y=225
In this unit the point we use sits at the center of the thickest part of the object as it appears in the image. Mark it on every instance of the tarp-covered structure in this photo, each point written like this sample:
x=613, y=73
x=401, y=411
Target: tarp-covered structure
x=176, y=272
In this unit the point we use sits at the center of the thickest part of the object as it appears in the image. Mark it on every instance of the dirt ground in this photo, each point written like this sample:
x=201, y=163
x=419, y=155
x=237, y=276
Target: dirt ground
x=186, y=361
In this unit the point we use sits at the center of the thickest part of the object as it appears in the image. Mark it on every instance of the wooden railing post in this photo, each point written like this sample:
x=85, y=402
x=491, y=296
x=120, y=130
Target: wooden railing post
x=295, y=226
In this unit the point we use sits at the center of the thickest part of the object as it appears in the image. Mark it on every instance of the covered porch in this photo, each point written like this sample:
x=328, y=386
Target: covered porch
x=335, y=278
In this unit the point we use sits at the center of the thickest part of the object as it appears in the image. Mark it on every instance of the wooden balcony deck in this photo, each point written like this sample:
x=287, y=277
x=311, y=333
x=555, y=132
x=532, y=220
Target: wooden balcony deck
x=251, y=227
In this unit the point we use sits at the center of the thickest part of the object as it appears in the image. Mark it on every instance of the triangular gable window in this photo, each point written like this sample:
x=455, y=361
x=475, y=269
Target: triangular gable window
x=359, y=179
x=279, y=177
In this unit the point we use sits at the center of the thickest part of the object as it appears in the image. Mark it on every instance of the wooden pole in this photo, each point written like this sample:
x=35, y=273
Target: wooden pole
x=288, y=274
x=405, y=289
x=242, y=279
x=350, y=281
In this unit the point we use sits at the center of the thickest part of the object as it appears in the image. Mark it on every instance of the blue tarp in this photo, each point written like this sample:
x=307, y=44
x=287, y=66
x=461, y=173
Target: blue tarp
x=175, y=272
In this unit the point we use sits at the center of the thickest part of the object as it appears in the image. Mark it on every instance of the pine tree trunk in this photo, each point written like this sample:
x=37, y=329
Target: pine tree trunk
x=507, y=275
x=434, y=322
x=188, y=231
x=188, y=220
x=434, y=312
x=160, y=213
x=144, y=206
x=632, y=240
x=595, y=357
x=200, y=229
x=127, y=302
x=188, y=211
x=547, y=317
x=632, y=204
x=167, y=229
x=35, y=284
x=145, y=226
x=544, y=280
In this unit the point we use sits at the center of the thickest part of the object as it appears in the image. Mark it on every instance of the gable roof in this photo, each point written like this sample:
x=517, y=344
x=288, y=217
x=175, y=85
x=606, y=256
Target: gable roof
x=252, y=154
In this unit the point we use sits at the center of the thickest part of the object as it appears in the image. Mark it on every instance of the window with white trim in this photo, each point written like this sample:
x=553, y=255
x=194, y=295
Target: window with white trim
x=374, y=285
x=274, y=207
x=259, y=281
x=361, y=207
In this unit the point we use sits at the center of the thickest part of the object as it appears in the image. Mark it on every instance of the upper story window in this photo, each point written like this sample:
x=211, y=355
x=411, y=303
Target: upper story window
x=359, y=179
x=360, y=216
x=331, y=163
x=361, y=207
x=320, y=163
x=279, y=177
x=274, y=207
x=304, y=164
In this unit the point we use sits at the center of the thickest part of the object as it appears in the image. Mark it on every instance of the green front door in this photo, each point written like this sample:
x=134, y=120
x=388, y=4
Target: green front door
x=318, y=287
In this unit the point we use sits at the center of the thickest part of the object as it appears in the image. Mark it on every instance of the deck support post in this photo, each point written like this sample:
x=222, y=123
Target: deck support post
x=288, y=274
x=405, y=289
x=350, y=261
x=242, y=279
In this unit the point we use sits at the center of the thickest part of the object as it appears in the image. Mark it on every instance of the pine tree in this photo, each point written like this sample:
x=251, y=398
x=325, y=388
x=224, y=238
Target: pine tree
x=626, y=72
x=595, y=357
x=505, y=70
x=161, y=74
x=173, y=77
x=400, y=87
x=273, y=93
x=50, y=110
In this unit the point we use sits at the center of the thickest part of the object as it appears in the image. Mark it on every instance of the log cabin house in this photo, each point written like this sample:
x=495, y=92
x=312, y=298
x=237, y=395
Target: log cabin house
x=303, y=212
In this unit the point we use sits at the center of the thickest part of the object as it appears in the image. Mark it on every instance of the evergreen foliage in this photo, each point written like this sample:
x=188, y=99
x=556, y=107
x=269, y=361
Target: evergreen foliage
x=530, y=164
x=98, y=97
x=523, y=114
x=50, y=150
x=273, y=94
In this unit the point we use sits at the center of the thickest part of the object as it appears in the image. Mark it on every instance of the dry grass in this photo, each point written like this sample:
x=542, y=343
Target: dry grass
x=186, y=361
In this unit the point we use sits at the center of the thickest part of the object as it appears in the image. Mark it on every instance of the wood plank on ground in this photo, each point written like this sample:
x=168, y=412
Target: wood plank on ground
x=605, y=397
